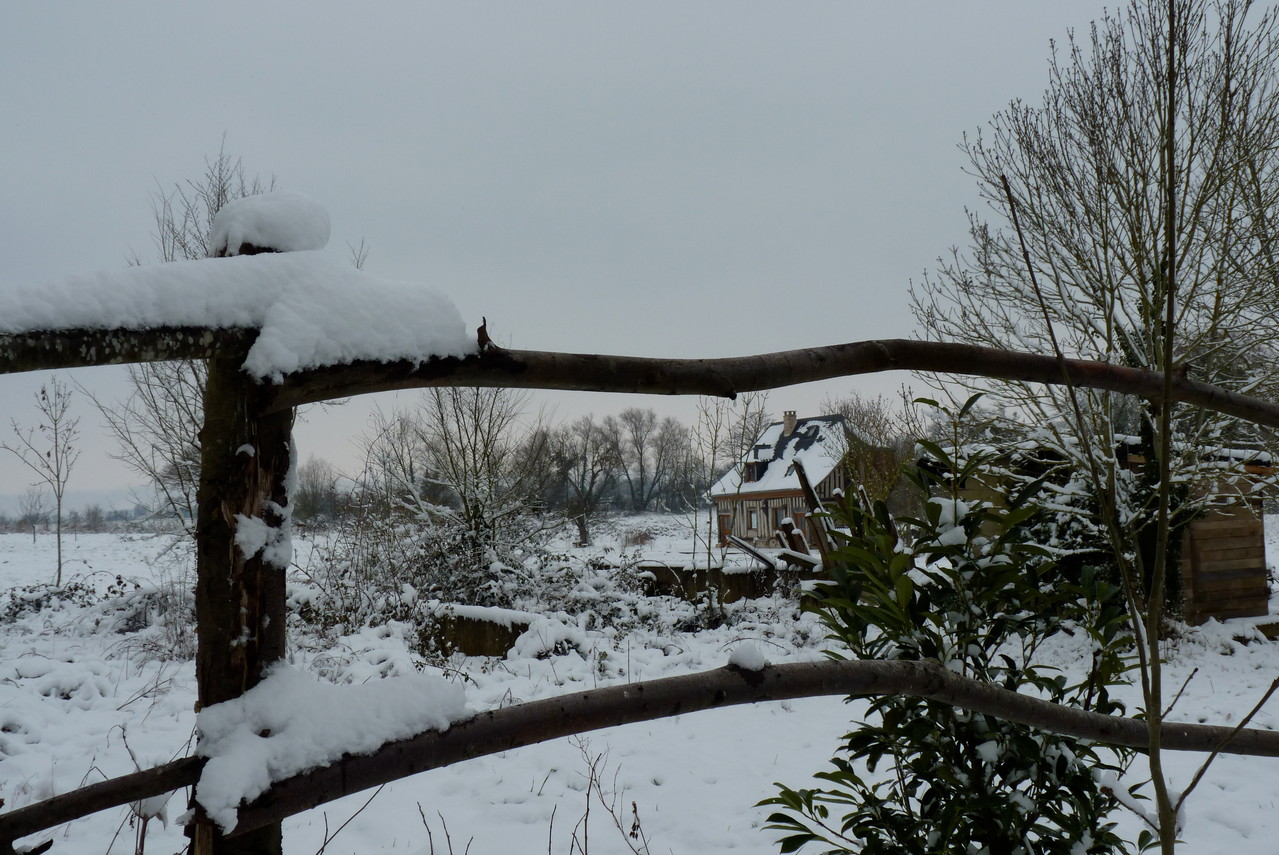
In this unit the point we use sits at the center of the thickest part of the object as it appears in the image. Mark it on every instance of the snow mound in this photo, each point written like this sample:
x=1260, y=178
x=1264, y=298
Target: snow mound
x=282, y=221
x=543, y=636
x=748, y=657
x=290, y=723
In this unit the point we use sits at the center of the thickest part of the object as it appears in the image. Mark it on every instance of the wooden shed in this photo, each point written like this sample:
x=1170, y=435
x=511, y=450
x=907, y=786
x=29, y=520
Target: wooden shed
x=1223, y=565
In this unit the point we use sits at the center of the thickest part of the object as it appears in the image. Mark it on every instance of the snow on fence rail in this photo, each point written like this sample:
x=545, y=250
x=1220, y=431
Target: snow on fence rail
x=494, y=731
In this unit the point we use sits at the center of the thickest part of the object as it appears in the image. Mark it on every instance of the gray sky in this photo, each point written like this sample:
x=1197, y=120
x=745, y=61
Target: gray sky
x=659, y=179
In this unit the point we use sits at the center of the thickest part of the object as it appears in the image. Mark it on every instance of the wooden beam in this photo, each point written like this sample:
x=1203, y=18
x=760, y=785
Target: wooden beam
x=727, y=377
x=494, y=731
x=528, y=369
x=537, y=721
x=240, y=590
x=56, y=349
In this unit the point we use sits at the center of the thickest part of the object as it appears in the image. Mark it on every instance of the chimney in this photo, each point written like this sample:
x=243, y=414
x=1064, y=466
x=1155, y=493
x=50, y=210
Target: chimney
x=788, y=423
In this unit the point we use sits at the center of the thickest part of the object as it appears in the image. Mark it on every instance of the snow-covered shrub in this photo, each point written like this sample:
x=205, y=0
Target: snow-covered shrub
x=968, y=592
x=27, y=600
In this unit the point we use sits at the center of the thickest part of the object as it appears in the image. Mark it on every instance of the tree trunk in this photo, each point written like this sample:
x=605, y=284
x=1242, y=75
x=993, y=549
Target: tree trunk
x=58, y=538
x=240, y=598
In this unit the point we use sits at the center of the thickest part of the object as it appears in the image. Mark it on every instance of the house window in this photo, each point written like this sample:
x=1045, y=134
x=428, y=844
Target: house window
x=753, y=520
x=779, y=515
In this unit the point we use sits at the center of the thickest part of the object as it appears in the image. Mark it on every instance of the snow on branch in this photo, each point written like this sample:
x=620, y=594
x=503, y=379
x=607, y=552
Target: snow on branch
x=280, y=220
x=500, y=730
x=305, y=310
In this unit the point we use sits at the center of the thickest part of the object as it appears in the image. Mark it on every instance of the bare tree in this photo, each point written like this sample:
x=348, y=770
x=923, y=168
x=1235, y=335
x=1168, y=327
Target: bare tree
x=586, y=461
x=878, y=437
x=33, y=509
x=49, y=450
x=1089, y=173
x=316, y=498
x=94, y=518
x=157, y=428
x=725, y=431
x=649, y=451
x=475, y=449
x=467, y=474
x=1134, y=223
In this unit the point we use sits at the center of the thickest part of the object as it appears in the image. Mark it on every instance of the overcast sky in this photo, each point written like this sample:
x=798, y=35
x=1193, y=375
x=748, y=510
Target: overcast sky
x=659, y=178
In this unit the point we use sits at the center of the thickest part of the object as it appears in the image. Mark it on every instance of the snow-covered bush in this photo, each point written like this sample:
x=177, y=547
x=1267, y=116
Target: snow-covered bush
x=970, y=592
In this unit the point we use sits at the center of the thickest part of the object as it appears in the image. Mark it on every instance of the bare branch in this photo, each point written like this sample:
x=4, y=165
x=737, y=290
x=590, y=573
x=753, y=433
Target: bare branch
x=532, y=369
x=727, y=377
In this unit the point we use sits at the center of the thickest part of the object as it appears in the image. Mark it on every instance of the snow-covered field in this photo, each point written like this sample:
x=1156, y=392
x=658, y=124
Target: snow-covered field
x=80, y=701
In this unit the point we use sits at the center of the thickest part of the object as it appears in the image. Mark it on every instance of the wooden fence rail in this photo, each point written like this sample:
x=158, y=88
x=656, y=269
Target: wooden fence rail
x=524, y=724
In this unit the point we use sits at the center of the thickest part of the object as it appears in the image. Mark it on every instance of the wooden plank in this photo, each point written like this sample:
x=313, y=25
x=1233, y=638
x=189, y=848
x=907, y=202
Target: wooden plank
x=1220, y=573
x=1232, y=588
x=752, y=552
x=1230, y=512
x=1226, y=565
x=1228, y=526
x=1205, y=544
x=1256, y=550
x=1253, y=565
x=1225, y=603
x=1248, y=572
x=1226, y=614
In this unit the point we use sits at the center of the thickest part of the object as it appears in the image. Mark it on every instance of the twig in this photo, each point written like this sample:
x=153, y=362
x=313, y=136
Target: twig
x=1243, y=722
x=447, y=839
x=1180, y=691
x=328, y=838
x=430, y=839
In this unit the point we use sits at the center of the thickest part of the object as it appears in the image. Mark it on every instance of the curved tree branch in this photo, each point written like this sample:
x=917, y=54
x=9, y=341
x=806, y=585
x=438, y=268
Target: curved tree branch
x=534, y=369
x=500, y=730
x=726, y=377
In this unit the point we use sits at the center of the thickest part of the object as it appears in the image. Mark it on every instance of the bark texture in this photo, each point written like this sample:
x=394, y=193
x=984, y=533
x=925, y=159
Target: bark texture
x=240, y=598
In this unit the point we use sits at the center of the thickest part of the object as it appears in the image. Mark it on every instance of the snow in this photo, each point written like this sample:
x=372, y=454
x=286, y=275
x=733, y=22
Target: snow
x=748, y=657
x=543, y=636
x=491, y=614
x=311, y=310
x=280, y=220
x=252, y=534
x=291, y=722
x=82, y=695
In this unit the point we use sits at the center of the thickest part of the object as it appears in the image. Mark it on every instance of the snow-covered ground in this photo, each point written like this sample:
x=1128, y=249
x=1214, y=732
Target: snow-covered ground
x=80, y=701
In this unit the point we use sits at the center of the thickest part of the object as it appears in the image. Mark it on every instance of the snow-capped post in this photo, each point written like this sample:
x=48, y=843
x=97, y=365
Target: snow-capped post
x=242, y=536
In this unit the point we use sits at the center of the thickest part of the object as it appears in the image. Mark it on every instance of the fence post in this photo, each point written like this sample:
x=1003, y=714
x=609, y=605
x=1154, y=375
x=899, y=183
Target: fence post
x=245, y=456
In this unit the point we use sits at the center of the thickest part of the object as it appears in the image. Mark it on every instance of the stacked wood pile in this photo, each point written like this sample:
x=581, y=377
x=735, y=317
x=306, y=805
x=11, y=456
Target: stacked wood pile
x=1223, y=566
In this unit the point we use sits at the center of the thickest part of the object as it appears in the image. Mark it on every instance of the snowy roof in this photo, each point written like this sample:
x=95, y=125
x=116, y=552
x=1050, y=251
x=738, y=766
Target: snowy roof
x=817, y=442
x=312, y=310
